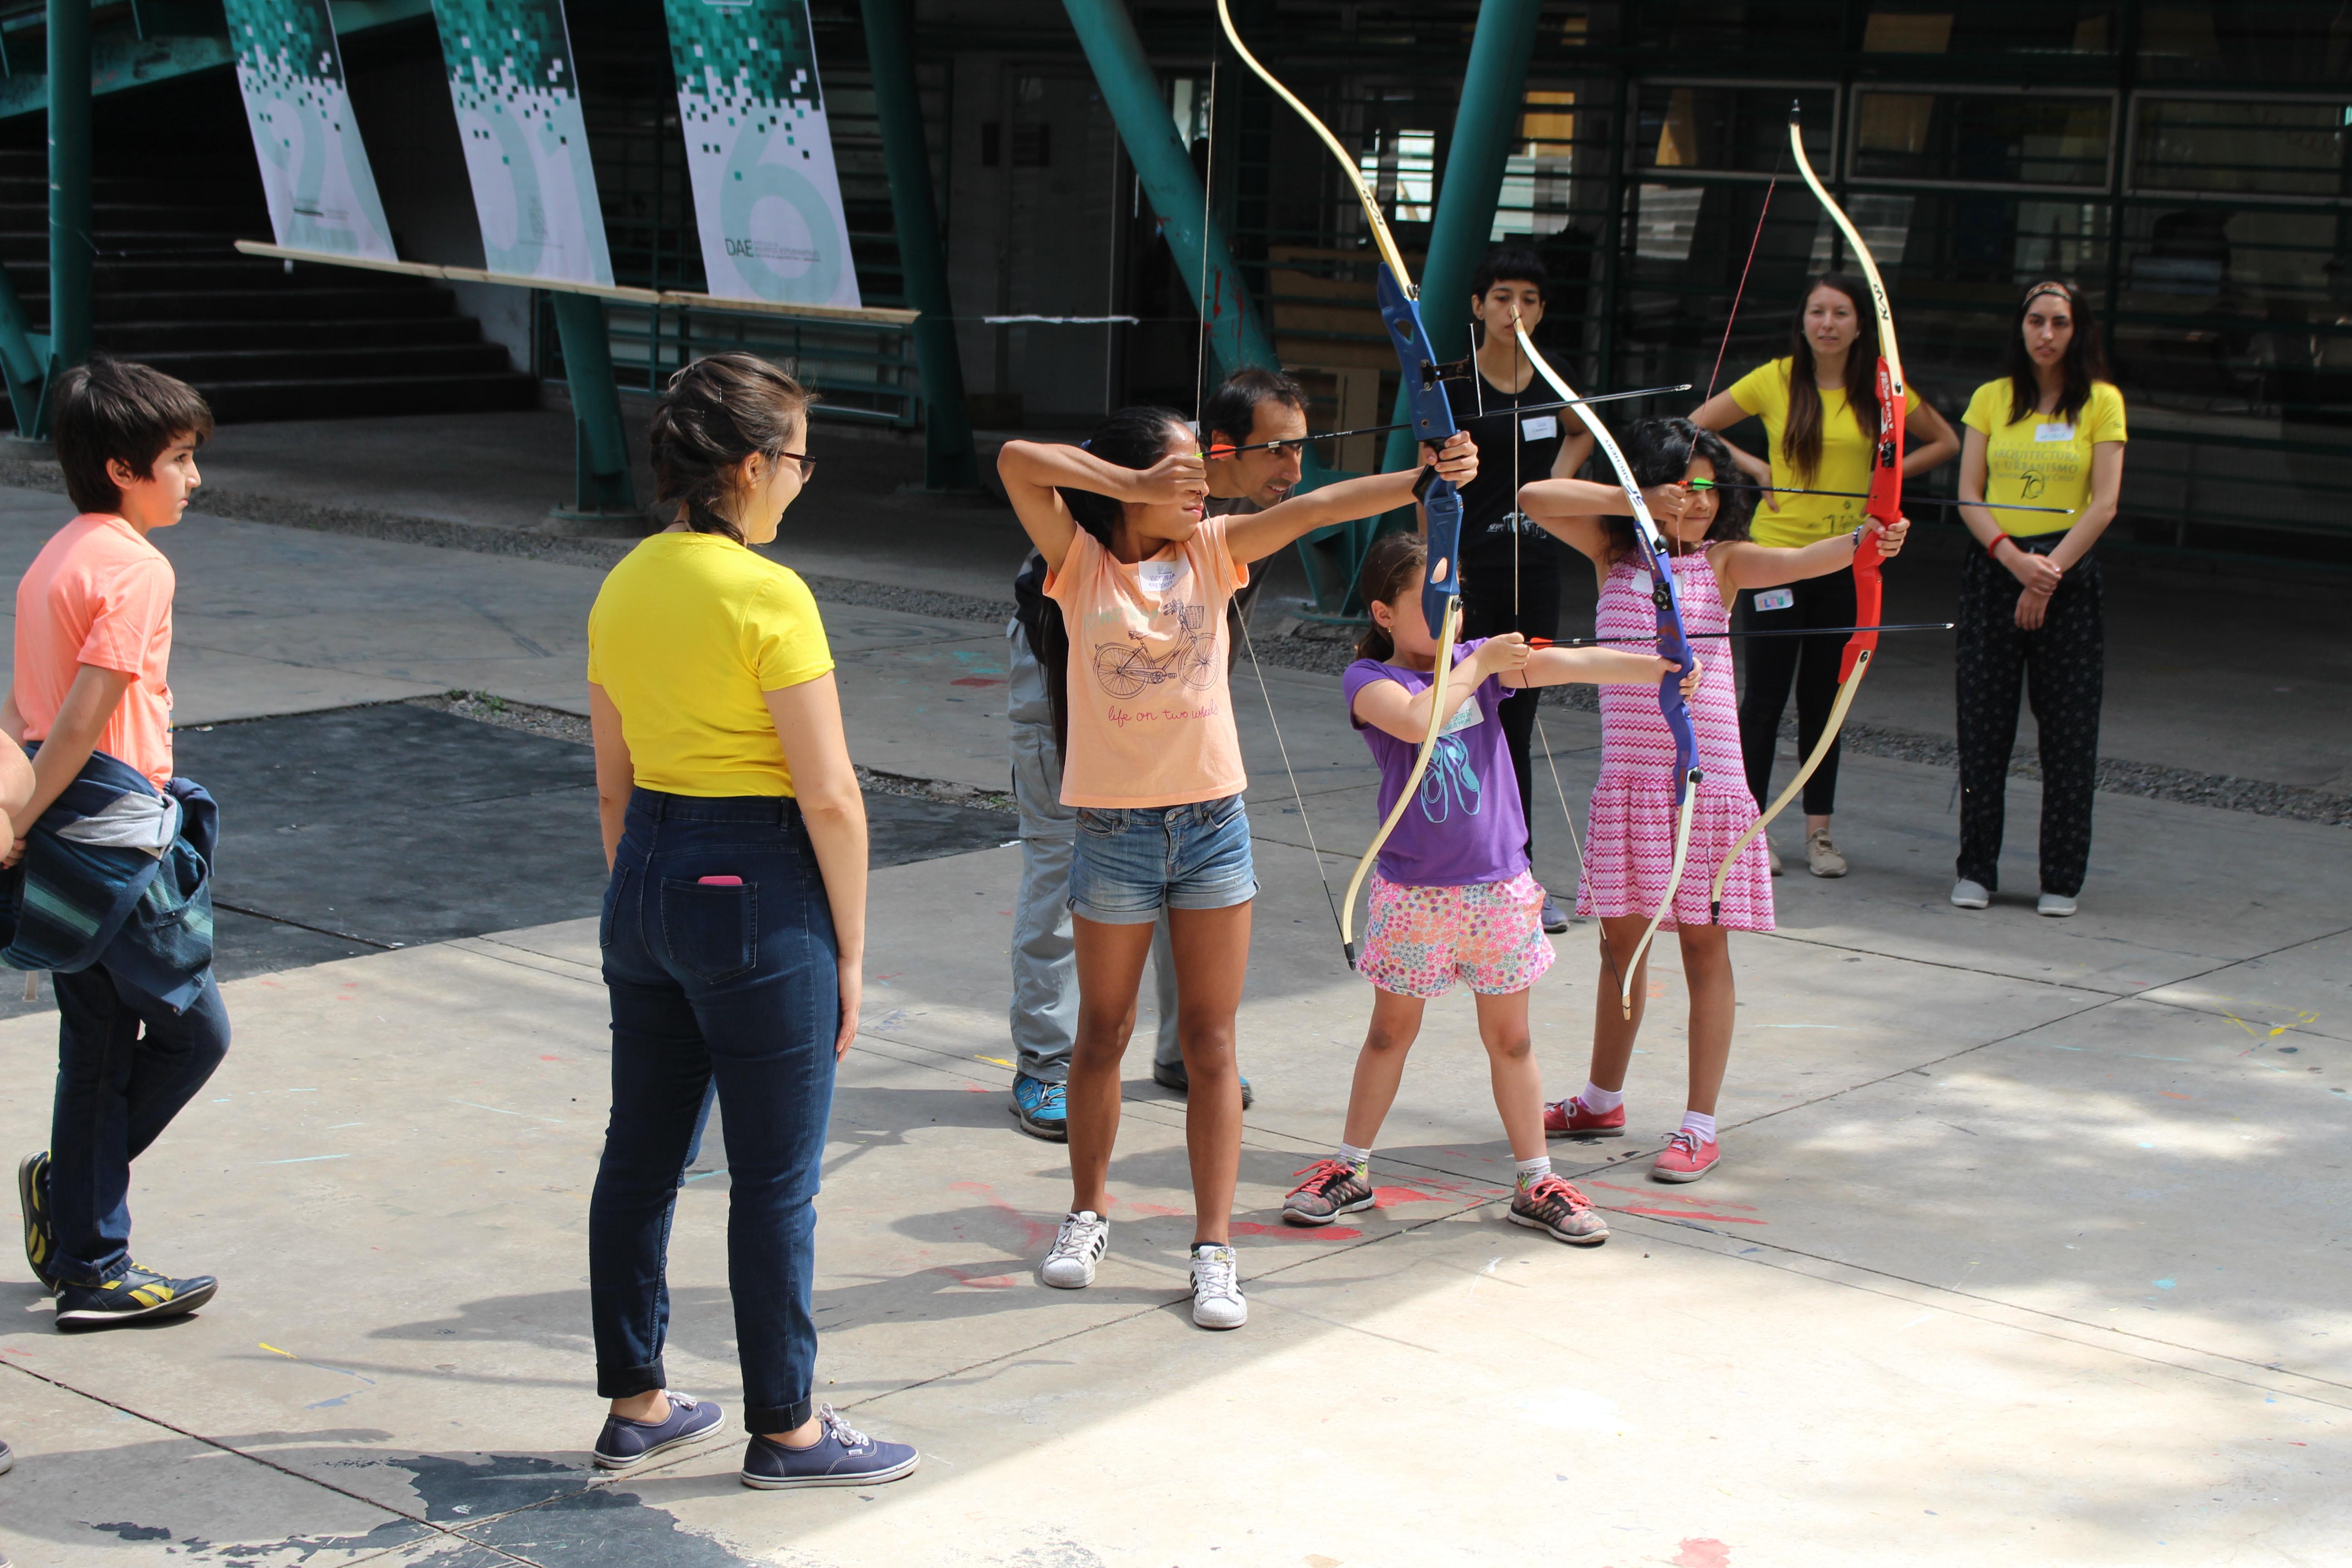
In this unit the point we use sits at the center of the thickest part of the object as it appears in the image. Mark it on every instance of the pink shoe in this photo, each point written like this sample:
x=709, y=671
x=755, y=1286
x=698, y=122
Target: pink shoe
x=1564, y=1117
x=1684, y=1158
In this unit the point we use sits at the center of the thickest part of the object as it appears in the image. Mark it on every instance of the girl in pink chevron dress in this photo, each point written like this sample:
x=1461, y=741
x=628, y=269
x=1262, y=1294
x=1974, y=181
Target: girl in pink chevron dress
x=1629, y=846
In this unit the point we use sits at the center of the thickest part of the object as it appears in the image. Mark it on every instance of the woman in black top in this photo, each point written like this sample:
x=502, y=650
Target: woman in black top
x=1510, y=569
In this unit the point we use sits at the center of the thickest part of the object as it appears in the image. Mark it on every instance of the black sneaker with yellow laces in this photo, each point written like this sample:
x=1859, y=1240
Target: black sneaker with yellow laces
x=135, y=1295
x=33, y=1199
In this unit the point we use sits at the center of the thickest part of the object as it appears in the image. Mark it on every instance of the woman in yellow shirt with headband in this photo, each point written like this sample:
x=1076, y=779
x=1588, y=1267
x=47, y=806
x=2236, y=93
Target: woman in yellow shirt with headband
x=1819, y=408
x=2047, y=432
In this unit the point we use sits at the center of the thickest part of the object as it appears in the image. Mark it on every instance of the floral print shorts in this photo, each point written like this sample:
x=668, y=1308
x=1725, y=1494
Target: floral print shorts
x=1490, y=934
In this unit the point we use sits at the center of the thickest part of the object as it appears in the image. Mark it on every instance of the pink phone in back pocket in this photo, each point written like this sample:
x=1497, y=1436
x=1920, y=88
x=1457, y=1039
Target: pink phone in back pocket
x=720, y=881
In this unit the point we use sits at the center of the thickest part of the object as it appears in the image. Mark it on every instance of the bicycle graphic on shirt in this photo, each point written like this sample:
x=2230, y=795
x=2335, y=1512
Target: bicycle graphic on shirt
x=1125, y=669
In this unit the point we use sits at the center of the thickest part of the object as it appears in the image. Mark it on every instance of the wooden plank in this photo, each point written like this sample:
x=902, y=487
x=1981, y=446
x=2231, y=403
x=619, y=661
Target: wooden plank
x=678, y=298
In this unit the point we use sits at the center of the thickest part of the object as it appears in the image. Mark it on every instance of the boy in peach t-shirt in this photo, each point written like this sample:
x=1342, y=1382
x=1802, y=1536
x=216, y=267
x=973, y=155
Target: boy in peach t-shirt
x=93, y=644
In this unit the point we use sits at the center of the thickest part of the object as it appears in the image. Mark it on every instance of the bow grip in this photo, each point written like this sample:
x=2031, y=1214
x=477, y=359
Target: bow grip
x=1441, y=504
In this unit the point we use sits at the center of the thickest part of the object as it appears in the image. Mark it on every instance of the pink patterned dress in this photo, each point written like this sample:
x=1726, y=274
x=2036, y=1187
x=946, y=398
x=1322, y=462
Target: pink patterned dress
x=1629, y=842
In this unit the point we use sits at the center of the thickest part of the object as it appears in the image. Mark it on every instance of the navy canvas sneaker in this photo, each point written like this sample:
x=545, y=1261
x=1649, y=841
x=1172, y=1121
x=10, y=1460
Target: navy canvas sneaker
x=625, y=1442
x=841, y=1456
x=1041, y=1108
x=32, y=1198
x=135, y=1295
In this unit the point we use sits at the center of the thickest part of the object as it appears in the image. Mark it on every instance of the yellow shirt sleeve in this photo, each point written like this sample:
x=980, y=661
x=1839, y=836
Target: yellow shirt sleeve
x=1988, y=407
x=1765, y=390
x=785, y=634
x=2102, y=416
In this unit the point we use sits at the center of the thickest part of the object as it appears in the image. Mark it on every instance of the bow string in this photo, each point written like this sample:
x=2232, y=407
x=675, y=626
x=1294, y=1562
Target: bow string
x=1673, y=646
x=1433, y=424
x=1884, y=506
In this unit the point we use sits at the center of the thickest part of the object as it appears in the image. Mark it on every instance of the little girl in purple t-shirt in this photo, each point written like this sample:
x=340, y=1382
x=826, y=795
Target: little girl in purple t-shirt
x=1452, y=897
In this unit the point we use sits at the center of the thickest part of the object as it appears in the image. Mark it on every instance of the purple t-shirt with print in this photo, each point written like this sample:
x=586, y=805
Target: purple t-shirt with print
x=1466, y=823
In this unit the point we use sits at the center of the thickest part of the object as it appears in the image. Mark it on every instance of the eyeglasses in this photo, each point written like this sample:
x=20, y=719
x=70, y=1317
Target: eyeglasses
x=807, y=463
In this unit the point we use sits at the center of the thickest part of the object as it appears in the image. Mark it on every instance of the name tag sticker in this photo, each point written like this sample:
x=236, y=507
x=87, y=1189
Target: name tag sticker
x=1159, y=576
x=1467, y=715
x=1539, y=426
x=1641, y=582
x=2053, y=432
x=1775, y=599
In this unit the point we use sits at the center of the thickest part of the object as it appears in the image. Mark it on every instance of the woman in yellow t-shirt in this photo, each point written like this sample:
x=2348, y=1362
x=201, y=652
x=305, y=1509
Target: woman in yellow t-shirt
x=734, y=924
x=2048, y=432
x=1819, y=408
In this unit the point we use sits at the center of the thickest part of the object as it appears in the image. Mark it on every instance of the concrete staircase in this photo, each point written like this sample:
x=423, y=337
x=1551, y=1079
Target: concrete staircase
x=259, y=342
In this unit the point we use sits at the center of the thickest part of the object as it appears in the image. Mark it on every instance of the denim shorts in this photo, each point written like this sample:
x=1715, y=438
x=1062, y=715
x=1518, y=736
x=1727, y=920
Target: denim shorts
x=1132, y=863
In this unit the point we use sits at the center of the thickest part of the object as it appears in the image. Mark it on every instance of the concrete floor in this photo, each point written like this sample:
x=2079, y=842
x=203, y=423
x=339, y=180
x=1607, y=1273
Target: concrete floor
x=2027, y=1246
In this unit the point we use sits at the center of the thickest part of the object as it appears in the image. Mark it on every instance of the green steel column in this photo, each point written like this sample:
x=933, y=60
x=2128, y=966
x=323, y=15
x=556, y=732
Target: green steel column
x=947, y=460
x=1493, y=92
x=599, y=441
x=1236, y=336
x=21, y=365
x=71, y=245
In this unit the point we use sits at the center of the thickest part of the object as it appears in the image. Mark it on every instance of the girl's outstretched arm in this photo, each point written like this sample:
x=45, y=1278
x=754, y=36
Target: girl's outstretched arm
x=1259, y=534
x=1599, y=666
x=1746, y=564
x=1032, y=470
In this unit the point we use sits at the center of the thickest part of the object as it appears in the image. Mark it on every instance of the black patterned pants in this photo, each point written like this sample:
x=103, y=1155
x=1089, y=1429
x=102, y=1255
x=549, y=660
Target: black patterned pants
x=2062, y=668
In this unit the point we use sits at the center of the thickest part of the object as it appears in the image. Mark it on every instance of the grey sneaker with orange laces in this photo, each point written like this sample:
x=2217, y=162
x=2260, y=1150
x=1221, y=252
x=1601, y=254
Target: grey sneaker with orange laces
x=1560, y=1211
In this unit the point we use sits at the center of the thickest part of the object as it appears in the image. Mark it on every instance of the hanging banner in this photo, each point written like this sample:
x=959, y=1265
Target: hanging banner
x=510, y=64
x=314, y=170
x=766, y=198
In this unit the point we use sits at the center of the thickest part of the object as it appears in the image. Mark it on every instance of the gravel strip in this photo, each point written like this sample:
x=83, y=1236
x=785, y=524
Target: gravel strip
x=555, y=724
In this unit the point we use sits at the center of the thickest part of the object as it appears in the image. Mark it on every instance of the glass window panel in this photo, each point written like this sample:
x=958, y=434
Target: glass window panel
x=1665, y=222
x=2241, y=147
x=1728, y=129
x=1402, y=170
x=1537, y=195
x=1981, y=138
x=2274, y=43
x=1884, y=221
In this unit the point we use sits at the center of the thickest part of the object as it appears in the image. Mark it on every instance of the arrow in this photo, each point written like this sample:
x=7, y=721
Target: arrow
x=1864, y=495
x=1772, y=632
x=1223, y=451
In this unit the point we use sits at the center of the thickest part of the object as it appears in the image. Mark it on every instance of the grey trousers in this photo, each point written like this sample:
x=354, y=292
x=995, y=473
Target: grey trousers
x=1044, y=1014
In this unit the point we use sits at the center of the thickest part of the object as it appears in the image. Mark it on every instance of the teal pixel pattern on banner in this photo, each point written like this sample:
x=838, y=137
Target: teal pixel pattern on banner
x=767, y=199
x=314, y=168
x=511, y=79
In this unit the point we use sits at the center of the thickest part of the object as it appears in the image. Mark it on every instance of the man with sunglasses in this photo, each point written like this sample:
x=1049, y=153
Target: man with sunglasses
x=1264, y=411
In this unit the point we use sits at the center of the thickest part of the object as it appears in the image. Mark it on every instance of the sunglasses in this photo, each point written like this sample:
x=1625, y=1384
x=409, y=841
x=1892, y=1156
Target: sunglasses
x=807, y=463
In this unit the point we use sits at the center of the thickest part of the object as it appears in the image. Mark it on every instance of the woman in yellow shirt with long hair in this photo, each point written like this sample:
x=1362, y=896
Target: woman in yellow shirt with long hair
x=1819, y=408
x=2047, y=432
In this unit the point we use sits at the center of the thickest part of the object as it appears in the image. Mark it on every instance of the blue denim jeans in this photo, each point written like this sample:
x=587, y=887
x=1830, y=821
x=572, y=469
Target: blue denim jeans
x=736, y=986
x=126, y=1064
x=1132, y=863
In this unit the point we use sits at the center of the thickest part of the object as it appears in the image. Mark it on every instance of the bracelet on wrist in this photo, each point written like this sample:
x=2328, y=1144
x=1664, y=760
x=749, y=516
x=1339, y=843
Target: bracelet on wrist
x=1993, y=550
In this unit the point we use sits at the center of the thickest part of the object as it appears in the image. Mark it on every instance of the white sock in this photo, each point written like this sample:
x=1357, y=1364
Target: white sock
x=1349, y=1154
x=1603, y=1100
x=1702, y=1125
x=1533, y=1171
